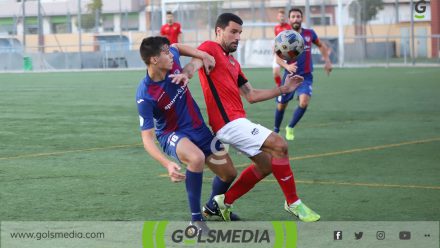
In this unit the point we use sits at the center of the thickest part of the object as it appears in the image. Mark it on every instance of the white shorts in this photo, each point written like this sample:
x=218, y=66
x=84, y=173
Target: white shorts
x=244, y=135
x=274, y=63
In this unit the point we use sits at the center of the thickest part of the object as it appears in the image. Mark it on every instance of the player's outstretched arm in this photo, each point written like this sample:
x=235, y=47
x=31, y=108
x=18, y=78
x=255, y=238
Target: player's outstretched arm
x=151, y=148
x=325, y=52
x=187, y=72
x=289, y=67
x=207, y=60
x=258, y=95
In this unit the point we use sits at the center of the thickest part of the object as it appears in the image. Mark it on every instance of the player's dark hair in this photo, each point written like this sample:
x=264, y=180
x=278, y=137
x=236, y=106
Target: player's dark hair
x=224, y=19
x=295, y=10
x=169, y=12
x=151, y=47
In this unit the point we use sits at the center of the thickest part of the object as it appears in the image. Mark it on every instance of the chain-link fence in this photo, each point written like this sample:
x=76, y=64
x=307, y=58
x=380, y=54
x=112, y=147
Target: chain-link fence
x=359, y=32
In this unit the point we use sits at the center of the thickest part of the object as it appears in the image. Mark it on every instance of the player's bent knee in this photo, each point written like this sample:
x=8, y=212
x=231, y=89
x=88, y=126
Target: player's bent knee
x=280, y=148
x=304, y=104
x=195, y=161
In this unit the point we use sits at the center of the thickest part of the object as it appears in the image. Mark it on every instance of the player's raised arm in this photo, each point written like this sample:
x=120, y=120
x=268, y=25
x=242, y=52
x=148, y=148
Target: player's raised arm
x=258, y=95
x=289, y=67
x=151, y=148
x=325, y=52
x=207, y=60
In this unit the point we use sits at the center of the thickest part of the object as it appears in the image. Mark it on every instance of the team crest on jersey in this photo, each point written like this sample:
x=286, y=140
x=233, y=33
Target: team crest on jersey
x=307, y=38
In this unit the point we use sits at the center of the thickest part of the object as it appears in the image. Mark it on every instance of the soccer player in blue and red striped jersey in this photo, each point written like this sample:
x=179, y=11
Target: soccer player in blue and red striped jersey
x=302, y=66
x=168, y=111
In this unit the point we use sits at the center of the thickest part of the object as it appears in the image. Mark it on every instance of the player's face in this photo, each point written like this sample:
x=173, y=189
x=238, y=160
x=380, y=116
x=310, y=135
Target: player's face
x=295, y=20
x=230, y=36
x=281, y=18
x=165, y=59
x=170, y=19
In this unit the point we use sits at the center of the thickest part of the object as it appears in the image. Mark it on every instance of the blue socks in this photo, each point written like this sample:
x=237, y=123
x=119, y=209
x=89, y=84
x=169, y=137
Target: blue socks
x=279, y=114
x=193, y=183
x=218, y=187
x=299, y=112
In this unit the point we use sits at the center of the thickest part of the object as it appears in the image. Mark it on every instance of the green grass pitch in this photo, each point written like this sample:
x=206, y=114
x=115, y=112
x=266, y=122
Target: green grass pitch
x=367, y=149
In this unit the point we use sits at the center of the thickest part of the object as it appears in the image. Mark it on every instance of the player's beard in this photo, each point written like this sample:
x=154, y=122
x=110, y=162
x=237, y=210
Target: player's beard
x=232, y=47
x=296, y=26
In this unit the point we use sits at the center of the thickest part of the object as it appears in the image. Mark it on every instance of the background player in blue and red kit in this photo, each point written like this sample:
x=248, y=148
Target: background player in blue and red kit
x=280, y=27
x=168, y=111
x=302, y=66
x=222, y=90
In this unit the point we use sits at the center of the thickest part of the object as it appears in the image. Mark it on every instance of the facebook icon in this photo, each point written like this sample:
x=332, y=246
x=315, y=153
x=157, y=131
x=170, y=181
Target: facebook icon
x=337, y=235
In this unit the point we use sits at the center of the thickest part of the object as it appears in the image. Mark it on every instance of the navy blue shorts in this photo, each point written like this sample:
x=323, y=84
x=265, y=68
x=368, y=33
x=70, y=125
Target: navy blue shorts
x=202, y=137
x=304, y=88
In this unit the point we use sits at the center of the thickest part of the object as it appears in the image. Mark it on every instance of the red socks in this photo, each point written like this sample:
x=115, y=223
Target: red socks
x=247, y=180
x=283, y=173
x=277, y=80
x=250, y=176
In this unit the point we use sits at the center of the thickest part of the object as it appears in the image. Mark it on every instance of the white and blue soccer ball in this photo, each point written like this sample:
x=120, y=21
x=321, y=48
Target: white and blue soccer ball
x=289, y=44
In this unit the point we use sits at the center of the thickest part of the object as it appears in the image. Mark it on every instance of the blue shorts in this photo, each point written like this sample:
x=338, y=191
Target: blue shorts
x=202, y=137
x=304, y=88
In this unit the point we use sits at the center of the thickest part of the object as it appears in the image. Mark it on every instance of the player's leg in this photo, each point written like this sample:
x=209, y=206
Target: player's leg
x=276, y=71
x=305, y=93
x=221, y=164
x=218, y=161
x=282, y=102
x=249, y=177
x=304, y=100
x=277, y=147
x=189, y=154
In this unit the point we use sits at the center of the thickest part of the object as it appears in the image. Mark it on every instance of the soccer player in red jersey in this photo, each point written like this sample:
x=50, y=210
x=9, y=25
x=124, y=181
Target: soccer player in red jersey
x=222, y=89
x=171, y=29
x=168, y=112
x=280, y=27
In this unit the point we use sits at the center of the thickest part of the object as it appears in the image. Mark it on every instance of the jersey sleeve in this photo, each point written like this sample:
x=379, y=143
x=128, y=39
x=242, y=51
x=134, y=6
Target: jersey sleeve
x=206, y=48
x=241, y=78
x=145, y=110
x=162, y=30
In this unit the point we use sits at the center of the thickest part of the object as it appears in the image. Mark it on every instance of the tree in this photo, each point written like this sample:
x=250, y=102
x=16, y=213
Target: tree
x=92, y=18
x=362, y=11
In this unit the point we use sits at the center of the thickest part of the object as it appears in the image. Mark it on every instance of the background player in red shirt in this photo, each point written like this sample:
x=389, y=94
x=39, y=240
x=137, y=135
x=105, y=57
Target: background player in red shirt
x=222, y=89
x=280, y=27
x=171, y=29
x=302, y=66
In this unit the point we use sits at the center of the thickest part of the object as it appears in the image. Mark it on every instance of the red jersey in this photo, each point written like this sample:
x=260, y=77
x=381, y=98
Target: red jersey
x=221, y=87
x=281, y=27
x=171, y=32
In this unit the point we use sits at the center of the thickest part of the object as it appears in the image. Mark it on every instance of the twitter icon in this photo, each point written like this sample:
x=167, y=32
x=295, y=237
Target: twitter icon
x=358, y=235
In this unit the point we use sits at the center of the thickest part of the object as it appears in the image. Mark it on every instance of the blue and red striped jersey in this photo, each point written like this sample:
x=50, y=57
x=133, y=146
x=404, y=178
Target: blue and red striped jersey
x=167, y=106
x=304, y=60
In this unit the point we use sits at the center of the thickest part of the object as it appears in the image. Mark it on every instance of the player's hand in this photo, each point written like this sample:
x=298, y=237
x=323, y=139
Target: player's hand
x=208, y=63
x=174, y=172
x=179, y=78
x=292, y=83
x=328, y=67
x=291, y=67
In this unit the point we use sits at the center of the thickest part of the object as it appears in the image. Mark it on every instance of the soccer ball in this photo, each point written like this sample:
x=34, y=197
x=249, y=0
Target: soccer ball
x=289, y=45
